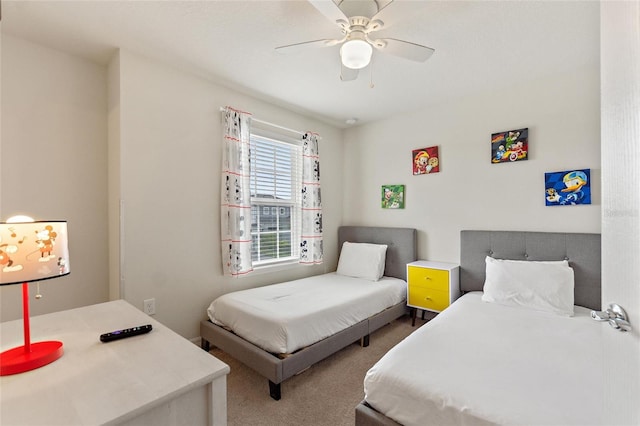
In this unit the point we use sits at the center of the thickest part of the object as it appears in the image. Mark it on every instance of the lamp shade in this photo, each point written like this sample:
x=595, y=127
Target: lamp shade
x=33, y=251
x=356, y=54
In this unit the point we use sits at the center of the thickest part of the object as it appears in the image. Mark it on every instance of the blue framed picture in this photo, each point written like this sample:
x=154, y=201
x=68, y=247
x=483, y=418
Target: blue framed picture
x=567, y=188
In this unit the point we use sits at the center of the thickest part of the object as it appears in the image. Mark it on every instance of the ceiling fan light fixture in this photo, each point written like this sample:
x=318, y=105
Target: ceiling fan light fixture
x=356, y=54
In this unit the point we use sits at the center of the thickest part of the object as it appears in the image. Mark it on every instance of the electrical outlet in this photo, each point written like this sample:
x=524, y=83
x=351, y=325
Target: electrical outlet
x=149, y=306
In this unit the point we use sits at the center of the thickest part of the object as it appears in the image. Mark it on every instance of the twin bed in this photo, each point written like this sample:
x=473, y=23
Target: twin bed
x=515, y=353
x=519, y=347
x=282, y=329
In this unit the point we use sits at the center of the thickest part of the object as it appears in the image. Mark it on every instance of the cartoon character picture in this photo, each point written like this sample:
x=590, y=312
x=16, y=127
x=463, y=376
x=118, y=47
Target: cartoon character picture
x=552, y=195
x=6, y=263
x=45, y=239
x=9, y=248
x=510, y=146
x=420, y=161
x=433, y=164
x=235, y=259
x=33, y=250
x=568, y=188
x=425, y=160
x=392, y=197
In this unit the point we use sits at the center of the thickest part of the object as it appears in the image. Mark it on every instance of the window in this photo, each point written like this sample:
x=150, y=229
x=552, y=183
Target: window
x=276, y=176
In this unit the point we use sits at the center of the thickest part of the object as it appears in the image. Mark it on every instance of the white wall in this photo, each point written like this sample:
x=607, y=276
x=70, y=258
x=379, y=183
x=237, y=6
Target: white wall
x=148, y=136
x=562, y=113
x=113, y=173
x=170, y=146
x=165, y=163
x=53, y=157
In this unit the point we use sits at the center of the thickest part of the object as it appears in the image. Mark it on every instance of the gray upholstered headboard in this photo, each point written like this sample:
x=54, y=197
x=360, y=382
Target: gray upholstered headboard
x=401, y=245
x=581, y=250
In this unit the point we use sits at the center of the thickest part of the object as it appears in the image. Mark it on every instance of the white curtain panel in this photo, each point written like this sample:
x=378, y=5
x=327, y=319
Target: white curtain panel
x=235, y=214
x=311, y=236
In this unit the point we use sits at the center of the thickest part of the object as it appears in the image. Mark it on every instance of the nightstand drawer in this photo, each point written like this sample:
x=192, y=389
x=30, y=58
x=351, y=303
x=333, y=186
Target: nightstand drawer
x=436, y=279
x=426, y=298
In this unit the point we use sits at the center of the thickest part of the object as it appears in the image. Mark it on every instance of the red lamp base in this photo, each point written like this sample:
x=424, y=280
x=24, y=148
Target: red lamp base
x=20, y=359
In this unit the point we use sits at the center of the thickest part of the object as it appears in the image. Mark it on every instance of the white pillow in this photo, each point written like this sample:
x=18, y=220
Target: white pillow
x=362, y=260
x=542, y=286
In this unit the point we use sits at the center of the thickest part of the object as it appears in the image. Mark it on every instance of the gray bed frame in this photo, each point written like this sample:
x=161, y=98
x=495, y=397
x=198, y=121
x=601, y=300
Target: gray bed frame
x=402, y=249
x=580, y=249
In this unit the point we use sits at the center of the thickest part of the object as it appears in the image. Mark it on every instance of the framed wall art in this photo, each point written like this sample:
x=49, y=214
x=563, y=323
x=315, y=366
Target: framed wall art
x=567, y=188
x=510, y=146
x=392, y=197
x=425, y=160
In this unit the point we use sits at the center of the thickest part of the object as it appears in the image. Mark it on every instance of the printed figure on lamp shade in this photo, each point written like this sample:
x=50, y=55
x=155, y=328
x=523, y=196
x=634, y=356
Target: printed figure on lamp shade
x=33, y=251
x=6, y=262
x=568, y=188
x=425, y=160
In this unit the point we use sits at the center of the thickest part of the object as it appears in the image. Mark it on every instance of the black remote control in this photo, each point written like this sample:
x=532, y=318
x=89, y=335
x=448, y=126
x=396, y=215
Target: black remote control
x=127, y=332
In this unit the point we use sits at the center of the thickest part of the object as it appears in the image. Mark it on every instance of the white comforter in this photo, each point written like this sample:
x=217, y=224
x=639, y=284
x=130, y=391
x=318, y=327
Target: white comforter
x=480, y=363
x=282, y=318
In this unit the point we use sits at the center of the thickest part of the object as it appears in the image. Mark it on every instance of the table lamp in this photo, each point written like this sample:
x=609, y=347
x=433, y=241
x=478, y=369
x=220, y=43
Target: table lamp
x=31, y=251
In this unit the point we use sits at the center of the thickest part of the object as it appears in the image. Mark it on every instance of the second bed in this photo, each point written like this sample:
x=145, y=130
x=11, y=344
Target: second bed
x=519, y=348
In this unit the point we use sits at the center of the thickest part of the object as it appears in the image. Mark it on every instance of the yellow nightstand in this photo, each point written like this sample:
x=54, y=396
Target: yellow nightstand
x=431, y=286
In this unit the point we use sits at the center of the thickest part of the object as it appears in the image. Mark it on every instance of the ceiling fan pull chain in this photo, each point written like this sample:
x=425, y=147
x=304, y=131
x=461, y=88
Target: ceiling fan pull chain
x=371, y=85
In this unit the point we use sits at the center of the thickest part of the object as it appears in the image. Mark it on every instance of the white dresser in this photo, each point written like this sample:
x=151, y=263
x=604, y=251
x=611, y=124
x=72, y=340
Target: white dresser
x=158, y=378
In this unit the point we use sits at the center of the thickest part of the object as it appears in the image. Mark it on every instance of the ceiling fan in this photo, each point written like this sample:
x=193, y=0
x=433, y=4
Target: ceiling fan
x=357, y=43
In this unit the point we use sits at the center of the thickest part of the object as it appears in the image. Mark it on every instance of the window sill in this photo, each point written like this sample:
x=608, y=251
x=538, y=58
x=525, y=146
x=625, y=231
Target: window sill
x=276, y=267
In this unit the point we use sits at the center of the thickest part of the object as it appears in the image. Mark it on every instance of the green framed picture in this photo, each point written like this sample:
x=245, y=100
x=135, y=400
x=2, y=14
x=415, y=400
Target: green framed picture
x=392, y=197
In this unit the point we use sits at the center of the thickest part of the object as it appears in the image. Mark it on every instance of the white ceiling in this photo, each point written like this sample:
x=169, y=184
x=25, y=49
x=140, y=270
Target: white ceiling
x=479, y=45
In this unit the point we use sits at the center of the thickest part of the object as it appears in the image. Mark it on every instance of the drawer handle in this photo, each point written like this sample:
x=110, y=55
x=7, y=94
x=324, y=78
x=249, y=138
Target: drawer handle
x=427, y=278
x=428, y=298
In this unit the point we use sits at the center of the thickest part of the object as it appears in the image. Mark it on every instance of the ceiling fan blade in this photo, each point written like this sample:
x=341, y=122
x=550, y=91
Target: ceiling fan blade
x=290, y=48
x=404, y=49
x=395, y=12
x=387, y=13
x=329, y=9
x=348, y=74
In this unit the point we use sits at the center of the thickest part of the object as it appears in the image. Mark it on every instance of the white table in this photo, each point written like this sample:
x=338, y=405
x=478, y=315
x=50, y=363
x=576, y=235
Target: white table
x=153, y=379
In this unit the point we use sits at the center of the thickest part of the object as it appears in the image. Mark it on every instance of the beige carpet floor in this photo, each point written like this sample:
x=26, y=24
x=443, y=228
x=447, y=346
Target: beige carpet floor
x=325, y=394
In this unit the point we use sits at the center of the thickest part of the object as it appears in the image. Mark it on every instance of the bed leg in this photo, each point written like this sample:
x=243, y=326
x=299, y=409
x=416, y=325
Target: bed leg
x=364, y=341
x=274, y=390
x=204, y=344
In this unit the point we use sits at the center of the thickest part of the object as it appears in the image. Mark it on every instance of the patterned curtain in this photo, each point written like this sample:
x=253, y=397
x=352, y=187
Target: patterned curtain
x=235, y=211
x=311, y=236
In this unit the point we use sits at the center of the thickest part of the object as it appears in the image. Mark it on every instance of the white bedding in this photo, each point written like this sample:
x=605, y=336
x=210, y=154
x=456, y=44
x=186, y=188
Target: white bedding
x=282, y=318
x=482, y=363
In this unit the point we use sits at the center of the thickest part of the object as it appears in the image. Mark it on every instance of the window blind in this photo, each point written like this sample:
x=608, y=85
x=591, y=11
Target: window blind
x=276, y=176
